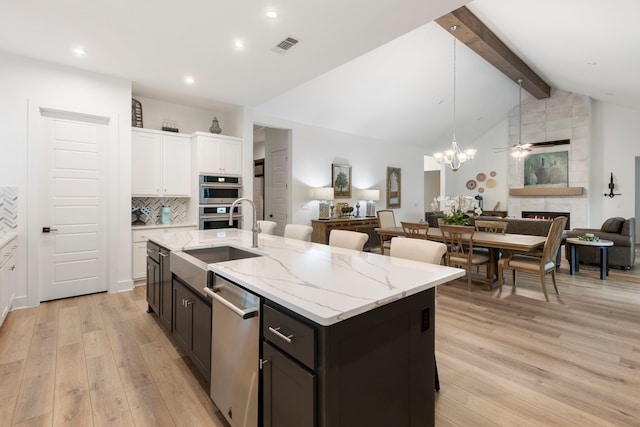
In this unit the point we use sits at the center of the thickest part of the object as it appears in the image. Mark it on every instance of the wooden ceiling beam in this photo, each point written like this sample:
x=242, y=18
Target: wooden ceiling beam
x=472, y=32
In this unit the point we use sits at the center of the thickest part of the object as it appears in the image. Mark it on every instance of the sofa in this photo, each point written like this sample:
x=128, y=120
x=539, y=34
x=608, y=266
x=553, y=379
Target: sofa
x=534, y=227
x=621, y=231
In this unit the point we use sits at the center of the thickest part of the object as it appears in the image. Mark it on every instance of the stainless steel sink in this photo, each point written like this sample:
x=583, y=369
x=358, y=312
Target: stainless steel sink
x=220, y=254
x=192, y=265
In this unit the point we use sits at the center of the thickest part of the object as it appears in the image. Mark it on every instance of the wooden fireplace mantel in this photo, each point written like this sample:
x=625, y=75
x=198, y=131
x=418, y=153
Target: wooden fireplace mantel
x=547, y=191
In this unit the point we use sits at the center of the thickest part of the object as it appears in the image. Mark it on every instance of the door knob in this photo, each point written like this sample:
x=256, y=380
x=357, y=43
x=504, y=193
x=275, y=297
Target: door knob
x=48, y=229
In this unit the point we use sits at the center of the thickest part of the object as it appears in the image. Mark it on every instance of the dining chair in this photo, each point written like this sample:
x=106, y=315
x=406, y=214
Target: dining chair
x=499, y=227
x=348, y=239
x=298, y=232
x=415, y=230
x=266, y=227
x=386, y=219
x=459, y=241
x=418, y=249
x=541, y=262
x=424, y=251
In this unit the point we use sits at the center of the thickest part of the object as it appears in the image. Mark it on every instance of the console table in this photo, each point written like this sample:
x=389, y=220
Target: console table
x=322, y=228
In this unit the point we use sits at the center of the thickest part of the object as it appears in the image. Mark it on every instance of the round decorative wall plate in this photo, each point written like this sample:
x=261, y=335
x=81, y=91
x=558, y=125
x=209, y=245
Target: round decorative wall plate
x=491, y=183
x=471, y=184
x=481, y=177
x=492, y=173
x=480, y=190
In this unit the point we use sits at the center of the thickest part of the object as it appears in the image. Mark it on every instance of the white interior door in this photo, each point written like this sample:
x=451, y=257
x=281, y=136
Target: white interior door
x=72, y=204
x=278, y=193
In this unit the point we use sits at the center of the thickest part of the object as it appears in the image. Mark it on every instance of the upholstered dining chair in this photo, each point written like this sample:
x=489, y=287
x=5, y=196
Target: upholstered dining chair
x=266, y=227
x=348, y=239
x=540, y=262
x=298, y=232
x=459, y=241
x=386, y=219
x=418, y=250
x=424, y=251
x=415, y=230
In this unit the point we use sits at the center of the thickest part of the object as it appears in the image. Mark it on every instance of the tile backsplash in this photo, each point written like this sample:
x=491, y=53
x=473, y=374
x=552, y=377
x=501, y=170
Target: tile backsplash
x=8, y=209
x=153, y=204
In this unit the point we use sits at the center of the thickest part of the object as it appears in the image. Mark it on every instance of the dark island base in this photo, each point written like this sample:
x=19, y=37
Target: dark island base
x=375, y=369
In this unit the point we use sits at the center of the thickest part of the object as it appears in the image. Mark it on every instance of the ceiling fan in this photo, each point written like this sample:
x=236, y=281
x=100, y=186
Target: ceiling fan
x=528, y=147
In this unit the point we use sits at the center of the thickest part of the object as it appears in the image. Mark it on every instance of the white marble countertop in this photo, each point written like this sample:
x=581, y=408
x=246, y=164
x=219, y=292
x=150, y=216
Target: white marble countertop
x=322, y=283
x=6, y=238
x=154, y=226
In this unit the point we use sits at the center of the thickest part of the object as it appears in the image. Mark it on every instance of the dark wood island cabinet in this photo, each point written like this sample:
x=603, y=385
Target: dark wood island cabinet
x=192, y=325
x=374, y=369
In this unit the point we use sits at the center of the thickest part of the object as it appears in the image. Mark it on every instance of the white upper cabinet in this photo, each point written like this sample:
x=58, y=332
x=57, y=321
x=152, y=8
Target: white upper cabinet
x=218, y=154
x=161, y=164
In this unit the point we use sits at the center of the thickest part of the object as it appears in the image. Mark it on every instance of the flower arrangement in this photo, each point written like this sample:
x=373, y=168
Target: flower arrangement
x=455, y=209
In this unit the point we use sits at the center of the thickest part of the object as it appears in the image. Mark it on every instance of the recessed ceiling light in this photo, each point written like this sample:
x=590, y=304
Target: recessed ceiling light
x=238, y=44
x=271, y=14
x=189, y=80
x=79, y=51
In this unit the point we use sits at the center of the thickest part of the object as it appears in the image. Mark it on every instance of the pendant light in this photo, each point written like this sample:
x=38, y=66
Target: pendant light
x=454, y=157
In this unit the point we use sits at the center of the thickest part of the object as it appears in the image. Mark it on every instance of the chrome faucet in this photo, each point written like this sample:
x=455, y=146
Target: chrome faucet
x=255, y=229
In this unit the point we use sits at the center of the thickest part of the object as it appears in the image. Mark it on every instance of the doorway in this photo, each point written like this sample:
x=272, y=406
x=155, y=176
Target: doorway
x=273, y=145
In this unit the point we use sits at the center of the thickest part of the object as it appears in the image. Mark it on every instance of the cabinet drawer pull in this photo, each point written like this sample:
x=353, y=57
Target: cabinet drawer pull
x=276, y=331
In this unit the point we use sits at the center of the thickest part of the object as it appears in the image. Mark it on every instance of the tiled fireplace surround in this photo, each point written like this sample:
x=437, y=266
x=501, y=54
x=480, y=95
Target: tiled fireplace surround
x=562, y=116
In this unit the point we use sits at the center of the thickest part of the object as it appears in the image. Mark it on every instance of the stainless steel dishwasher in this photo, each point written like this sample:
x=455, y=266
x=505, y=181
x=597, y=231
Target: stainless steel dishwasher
x=235, y=328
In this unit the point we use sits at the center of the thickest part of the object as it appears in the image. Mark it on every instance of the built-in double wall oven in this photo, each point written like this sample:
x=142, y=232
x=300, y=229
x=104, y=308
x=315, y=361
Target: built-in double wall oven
x=217, y=193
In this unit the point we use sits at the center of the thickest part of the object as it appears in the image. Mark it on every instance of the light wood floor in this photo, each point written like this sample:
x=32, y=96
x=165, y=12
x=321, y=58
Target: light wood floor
x=504, y=359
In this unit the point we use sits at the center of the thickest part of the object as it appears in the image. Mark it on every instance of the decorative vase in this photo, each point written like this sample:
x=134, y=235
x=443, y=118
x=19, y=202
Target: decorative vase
x=215, y=126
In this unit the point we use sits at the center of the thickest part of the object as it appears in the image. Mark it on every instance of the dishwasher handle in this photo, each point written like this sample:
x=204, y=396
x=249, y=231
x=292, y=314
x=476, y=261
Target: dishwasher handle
x=247, y=313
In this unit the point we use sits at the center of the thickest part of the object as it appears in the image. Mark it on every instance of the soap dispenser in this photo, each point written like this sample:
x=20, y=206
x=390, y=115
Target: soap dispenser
x=165, y=215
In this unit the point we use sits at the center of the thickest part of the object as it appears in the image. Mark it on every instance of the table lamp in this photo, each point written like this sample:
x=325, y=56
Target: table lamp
x=371, y=196
x=323, y=194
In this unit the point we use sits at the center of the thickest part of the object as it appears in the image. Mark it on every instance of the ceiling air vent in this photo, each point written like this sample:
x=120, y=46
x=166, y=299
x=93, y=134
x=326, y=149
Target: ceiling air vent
x=284, y=46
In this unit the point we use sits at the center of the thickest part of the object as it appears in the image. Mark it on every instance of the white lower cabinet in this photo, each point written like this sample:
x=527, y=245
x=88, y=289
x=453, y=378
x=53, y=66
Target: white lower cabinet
x=7, y=277
x=139, y=239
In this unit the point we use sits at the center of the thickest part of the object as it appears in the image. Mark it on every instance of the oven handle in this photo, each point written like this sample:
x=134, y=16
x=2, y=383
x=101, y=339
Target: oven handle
x=219, y=185
x=219, y=217
x=247, y=313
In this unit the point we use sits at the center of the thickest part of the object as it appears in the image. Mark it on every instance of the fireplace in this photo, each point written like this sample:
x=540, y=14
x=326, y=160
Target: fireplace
x=547, y=215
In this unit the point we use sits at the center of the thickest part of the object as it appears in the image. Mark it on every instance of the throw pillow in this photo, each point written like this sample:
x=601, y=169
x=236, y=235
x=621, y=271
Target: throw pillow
x=613, y=225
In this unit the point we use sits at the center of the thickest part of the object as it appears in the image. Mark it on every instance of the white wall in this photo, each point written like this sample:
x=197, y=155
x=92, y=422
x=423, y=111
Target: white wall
x=314, y=150
x=615, y=144
x=188, y=119
x=27, y=84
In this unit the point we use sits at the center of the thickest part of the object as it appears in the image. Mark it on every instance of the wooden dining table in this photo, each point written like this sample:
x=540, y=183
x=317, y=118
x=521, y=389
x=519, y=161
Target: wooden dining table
x=493, y=241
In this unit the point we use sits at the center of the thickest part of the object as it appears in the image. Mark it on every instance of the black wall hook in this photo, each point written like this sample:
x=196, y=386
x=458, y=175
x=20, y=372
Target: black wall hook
x=611, y=187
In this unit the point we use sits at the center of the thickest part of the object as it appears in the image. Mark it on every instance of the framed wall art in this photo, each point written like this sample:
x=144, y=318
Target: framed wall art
x=341, y=181
x=394, y=188
x=547, y=170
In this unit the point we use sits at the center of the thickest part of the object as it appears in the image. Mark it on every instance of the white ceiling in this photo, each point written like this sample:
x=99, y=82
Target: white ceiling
x=374, y=68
